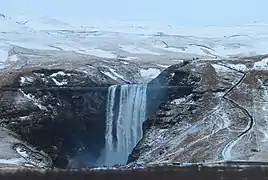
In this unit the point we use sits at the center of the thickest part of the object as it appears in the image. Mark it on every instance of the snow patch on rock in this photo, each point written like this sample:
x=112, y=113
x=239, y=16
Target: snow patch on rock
x=124, y=62
x=150, y=73
x=116, y=74
x=110, y=75
x=26, y=80
x=62, y=83
x=220, y=68
x=13, y=58
x=61, y=73
x=164, y=66
x=239, y=67
x=21, y=152
x=32, y=99
x=22, y=80
x=23, y=117
x=220, y=94
x=113, y=74
x=178, y=101
x=263, y=64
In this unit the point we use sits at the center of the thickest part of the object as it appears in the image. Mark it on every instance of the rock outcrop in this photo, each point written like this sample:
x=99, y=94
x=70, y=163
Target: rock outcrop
x=215, y=111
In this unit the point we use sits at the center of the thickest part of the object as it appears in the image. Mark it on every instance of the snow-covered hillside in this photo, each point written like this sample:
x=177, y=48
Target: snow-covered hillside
x=132, y=40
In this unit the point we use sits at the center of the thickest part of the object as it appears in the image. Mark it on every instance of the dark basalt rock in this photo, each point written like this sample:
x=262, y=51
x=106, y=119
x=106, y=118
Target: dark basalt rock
x=158, y=90
x=179, y=83
x=61, y=123
x=172, y=83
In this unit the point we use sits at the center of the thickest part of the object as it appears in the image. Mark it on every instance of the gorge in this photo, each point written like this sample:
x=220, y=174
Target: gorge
x=191, y=112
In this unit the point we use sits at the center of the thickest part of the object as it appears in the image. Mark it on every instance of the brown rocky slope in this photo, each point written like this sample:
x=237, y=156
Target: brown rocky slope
x=221, y=116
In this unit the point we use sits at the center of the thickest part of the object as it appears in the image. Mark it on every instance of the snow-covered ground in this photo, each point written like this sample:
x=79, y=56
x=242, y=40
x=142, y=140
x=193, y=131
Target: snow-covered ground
x=132, y=40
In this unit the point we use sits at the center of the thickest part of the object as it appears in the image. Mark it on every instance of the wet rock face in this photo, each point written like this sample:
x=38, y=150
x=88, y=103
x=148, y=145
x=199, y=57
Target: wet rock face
x=157, y=91
x=208, y=117
x=62, y=123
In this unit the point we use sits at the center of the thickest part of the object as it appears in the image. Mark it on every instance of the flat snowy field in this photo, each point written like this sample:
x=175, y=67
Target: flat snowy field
x=132, y=40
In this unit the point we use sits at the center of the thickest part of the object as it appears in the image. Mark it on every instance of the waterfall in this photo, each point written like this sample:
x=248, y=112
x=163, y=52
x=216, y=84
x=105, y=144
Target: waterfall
x=125, y=113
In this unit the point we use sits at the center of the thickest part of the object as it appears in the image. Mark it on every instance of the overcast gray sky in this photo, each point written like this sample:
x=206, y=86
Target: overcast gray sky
x=179, y=12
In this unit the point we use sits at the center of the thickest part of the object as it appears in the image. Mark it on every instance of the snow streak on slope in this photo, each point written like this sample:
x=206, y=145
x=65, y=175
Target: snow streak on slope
x=126, y=111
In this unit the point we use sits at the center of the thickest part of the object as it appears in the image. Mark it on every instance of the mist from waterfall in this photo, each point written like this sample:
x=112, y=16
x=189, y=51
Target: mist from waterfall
x=125, y=114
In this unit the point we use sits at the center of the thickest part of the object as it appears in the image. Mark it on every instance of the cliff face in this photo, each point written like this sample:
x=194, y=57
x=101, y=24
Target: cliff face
x=216, y=112
x=56, y=100
x=63, y=123
x=211, y=110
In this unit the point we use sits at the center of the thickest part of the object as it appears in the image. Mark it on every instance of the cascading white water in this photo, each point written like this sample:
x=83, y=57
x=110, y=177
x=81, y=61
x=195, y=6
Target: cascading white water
x=125, y=113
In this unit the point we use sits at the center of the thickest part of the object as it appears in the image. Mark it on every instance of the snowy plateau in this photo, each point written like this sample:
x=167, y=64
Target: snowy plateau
x=131, y=93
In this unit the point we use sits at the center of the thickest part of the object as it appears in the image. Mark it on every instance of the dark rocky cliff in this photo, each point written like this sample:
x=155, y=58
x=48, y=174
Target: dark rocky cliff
x=210, y=111
x=61, y=122
x=56, y=109
x=217, y=112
